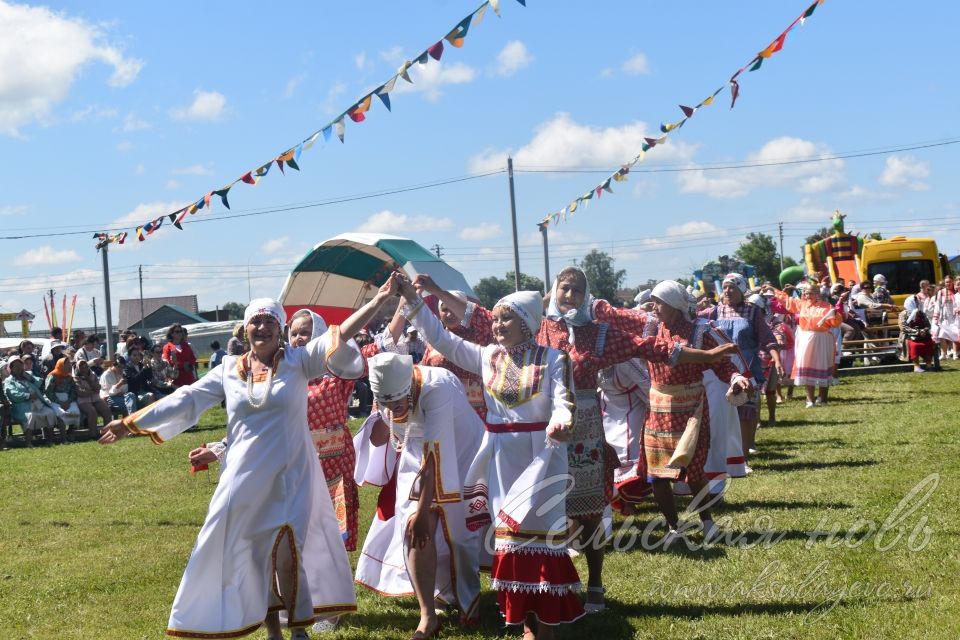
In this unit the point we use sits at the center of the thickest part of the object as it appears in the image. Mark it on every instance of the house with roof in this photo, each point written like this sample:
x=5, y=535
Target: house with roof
x=158, y=313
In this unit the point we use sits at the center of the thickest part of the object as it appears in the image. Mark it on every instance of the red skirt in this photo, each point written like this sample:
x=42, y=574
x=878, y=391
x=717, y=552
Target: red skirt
x=920, y=349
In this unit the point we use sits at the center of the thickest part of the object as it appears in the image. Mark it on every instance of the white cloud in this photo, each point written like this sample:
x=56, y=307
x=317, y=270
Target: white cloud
x=636, y=65
x=606, y=72
x=808, y=211
x=387, y=221
x=513, y=57
x=46, y=255
x=139, y=170
x=206, y=105
x=141, y=214
x=360, y=60
x=805, y=177
x=172, y=184
x=676, y=235
x=428, y=79
x=132, y=123
x=483, y=231
x=565, y=144
x=393, y=55
x=293, y=84
x=42, y=54
x=13, y=209
x=275, y=245
x=93, y=112
x=124, y=146
x=192, y=170
x=330, y=104
x=905, y=171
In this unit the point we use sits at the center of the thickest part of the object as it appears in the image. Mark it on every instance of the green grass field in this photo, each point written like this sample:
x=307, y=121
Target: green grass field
x=94, y=539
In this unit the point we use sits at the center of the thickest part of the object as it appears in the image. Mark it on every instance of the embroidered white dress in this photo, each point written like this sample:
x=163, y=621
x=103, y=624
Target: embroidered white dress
x=519, y=477
x=271, y=483
x=625, y=400
x=440, y=423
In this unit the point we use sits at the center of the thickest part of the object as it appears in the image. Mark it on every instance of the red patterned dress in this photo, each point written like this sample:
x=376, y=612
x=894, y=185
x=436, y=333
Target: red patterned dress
x=677, y=397
x=476, y=327
x=328, y=399
x=596, y=346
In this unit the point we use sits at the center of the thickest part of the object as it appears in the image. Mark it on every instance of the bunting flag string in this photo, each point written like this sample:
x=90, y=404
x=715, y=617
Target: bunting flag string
x=620, y=175
x=357, y=113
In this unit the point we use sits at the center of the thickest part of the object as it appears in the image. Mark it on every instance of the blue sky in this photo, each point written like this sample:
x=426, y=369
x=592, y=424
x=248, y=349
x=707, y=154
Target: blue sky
x=113, y=113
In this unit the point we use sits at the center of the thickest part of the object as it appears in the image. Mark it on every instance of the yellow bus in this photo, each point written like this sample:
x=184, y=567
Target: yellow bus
x=904, y=262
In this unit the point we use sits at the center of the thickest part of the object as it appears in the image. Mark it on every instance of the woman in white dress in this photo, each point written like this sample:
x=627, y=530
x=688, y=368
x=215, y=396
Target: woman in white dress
x=420, y=543
x=270, y=540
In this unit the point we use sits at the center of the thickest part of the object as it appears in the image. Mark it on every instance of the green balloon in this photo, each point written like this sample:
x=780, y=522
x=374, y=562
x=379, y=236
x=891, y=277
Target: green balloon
x=791, y=275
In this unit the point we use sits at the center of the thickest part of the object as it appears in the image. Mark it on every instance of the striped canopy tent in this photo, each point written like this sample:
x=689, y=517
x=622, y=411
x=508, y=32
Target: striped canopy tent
x=343, y=273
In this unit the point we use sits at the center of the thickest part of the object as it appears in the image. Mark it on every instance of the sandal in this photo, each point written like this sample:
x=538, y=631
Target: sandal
x=426, y=635
x=595, y=607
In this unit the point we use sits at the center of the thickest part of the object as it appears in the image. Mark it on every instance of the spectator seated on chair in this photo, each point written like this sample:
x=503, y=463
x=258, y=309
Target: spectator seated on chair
x=28, y=405
x=915, y=339
x=61, y=390
x=88, y=396
x=139, y=378
x=114, y=388
x=90, y=353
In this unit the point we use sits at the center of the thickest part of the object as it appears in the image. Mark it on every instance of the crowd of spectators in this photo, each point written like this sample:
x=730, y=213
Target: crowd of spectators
x=72, y=387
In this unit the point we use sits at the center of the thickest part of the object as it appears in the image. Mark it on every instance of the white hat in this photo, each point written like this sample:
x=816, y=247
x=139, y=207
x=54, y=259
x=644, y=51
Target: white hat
x=265, y=307
x=528, y=305
x=643, y=297
x=57, y=343
x=319, y=324
x=411, y=329
x=391, y=375
x=882, y=279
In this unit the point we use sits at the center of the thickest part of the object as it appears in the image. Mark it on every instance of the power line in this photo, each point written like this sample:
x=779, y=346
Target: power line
x=271, y=210
x=752, y=165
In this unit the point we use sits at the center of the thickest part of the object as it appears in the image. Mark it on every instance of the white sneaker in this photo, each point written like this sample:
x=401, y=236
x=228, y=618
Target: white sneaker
x=327, y=625
x=672, y=536
x=747, y=469
x=809, y=405
x=819, y=402
x=751, y=451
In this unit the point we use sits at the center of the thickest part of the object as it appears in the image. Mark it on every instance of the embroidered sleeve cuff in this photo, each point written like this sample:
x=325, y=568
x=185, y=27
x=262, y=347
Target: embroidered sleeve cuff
x=410, y=311
x=468, y=314
x=675, y=354
x=219, y=449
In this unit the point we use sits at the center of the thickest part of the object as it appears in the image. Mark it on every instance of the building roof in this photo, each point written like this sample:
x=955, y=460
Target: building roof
x=130, y=309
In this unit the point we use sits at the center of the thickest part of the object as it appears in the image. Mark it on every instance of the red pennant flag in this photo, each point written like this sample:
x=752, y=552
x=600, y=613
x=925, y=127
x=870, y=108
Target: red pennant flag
x=651, y=142
x=248, y=178
x=436, y=50
x=687, y=111
x=774, y=46
x=140, y=235
x=356, y=115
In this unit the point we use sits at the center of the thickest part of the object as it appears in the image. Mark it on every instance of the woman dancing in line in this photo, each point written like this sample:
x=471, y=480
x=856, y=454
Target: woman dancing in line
x=270, y=540
x=528, y=391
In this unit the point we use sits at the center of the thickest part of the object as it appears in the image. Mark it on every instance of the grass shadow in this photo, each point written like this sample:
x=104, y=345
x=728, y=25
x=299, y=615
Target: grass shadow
x=809, y=466
x=750, y=505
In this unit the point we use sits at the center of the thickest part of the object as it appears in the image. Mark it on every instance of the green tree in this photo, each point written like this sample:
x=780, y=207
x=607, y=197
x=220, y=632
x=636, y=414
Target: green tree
x=819, y=234
x=604, y=280
x=492, y=288
x=759, y=250
x=233, y=310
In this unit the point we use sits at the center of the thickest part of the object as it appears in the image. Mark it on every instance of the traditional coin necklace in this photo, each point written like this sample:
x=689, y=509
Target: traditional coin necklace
x=255, y=402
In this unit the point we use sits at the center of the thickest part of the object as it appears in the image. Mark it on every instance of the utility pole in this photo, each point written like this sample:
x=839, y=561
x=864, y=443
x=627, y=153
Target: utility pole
x=513, y=218
x=93, y=303
x=140, y=271
x=106, y=295
x=437, y=249
x=546, y=257
x=780, y=225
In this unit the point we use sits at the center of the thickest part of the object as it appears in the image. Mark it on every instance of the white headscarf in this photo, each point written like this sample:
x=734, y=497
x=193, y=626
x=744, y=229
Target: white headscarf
x=578, y=317
x=456, y=293
x=738, y=280
x=910, y=304
x=319, y=325
x=676, y=296
x=265, y=307
x=391, y=376
x=643, y=297
x=528, y=305
x=880, y=279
